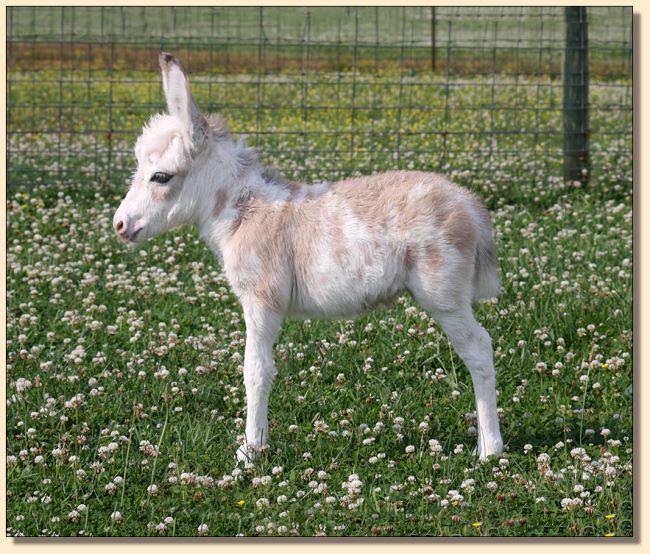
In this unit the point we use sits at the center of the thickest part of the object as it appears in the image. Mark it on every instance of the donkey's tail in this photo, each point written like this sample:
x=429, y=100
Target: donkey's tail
x=486, y=269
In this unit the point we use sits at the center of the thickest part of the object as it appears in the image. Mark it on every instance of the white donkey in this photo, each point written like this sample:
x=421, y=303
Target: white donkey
x=328, y=250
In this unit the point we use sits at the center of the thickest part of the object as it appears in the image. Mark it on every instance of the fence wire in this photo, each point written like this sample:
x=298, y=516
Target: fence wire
x=322, y=92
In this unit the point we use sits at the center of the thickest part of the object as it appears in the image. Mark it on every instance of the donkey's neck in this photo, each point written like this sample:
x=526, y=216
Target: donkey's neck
x=227, y=193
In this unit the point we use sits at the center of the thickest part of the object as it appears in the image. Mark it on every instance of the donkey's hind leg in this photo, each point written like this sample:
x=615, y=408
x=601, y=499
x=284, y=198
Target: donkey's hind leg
x=473, y=344
x=451, y=307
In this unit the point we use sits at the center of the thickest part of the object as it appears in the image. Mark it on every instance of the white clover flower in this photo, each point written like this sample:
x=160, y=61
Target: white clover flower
x=468, y=485
x=569, y=504
x=577, y=452
x=203, y=529
x=455, y=497
x=116, y=517
x=23, y=384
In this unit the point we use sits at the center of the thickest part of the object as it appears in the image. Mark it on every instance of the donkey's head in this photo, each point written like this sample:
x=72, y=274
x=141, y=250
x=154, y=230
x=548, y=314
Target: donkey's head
x=163, y=192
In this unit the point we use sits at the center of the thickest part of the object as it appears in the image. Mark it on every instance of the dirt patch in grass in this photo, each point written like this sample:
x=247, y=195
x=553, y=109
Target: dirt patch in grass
x=297, y=58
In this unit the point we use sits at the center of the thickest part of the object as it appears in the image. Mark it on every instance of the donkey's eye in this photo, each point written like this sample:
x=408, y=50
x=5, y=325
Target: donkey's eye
x=160, y=177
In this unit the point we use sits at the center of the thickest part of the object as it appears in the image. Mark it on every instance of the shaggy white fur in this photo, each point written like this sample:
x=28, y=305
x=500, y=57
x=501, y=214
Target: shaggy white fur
x=325, y=250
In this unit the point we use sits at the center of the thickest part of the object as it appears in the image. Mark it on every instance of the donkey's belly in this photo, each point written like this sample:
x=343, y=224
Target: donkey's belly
x=347, y=291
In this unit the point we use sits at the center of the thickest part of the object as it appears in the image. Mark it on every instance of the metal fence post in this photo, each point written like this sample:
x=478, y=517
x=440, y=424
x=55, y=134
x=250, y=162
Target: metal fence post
x=433, y=39
x=576, y=97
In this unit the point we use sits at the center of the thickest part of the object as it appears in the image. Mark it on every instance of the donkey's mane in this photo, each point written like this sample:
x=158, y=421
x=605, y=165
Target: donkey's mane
x=246, y=155
x=273, y=176
x=218, y=126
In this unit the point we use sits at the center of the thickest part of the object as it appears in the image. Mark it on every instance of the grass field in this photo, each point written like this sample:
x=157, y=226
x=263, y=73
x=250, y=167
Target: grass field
x=125, y=392
x=124, y=367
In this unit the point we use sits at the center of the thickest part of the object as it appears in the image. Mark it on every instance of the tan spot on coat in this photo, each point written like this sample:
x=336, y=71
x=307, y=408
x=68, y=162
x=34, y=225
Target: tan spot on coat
x=338, y=242
x=369, y=198
x=260, y=234
x=432, y=256
x=164, y=193
x=460, y=231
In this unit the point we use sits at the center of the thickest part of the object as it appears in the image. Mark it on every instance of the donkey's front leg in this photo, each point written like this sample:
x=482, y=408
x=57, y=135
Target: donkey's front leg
x=262, y=327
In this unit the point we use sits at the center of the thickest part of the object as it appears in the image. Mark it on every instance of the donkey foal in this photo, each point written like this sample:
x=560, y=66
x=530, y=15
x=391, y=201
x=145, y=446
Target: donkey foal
x=327, y=250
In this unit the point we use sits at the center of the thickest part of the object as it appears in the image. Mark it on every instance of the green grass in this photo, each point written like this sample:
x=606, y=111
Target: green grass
x=124, y=366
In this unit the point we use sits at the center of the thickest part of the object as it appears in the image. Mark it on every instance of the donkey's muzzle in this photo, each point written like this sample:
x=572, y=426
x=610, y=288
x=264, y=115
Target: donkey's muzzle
x=124, y=228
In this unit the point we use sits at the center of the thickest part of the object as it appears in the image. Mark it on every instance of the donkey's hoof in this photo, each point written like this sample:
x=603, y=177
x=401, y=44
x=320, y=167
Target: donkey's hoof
x=484, y=451
x=247, y=454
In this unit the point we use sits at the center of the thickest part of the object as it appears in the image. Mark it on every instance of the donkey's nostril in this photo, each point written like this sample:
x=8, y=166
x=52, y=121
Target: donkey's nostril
x=119, y=226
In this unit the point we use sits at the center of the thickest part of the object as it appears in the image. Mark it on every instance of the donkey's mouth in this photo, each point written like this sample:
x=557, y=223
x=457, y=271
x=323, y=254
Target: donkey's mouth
x=135, y=234
x=130, y=239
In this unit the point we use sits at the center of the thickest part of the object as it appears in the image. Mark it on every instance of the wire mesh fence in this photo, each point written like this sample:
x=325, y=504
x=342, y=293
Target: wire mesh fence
x=322, y=92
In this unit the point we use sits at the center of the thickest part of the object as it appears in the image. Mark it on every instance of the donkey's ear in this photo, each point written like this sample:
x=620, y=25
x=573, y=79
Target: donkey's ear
x=180, y=102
